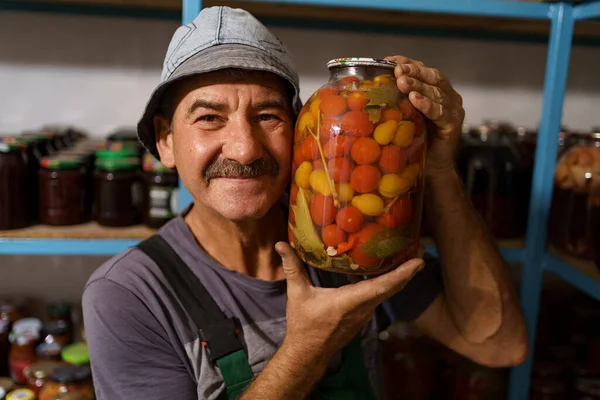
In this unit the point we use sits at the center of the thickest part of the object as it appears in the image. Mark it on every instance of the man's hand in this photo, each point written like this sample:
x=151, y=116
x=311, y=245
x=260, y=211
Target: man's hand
x=432, y=94
x=320, y=322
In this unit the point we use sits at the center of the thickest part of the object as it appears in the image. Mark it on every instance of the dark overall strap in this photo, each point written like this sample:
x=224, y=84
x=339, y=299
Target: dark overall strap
x=217, y=332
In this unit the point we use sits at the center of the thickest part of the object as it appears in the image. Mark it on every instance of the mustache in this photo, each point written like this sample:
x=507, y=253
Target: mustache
x=228, y=168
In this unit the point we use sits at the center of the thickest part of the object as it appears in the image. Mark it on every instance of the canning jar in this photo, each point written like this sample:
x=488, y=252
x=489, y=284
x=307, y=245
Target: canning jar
x=22, y=354
x=575, y=212
x=161, y=189
x=37, y=374
x=357, y=177
x=73, y=380
x=14, y=186
x=117, y=192
x=55, y=337
x=21, y=394
x=497, y=178
x=63, y=194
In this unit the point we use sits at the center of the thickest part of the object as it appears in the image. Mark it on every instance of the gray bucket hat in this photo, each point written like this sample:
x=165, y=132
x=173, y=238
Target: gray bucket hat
x=218, y=38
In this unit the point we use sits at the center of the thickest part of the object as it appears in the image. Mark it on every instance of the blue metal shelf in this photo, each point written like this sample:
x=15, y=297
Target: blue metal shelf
x=581, y=277
x=480, y=8
x=66, y=247
x=587, y=11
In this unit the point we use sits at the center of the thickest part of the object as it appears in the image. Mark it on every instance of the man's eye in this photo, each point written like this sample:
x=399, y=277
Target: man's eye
x=266, y=117
x=208, y=118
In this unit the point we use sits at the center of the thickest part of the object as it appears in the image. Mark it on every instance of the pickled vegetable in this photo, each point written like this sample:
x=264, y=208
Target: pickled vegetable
x=356, y=193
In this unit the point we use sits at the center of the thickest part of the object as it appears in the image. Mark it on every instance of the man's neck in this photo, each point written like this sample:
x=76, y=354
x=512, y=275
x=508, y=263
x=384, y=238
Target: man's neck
x=248, y=248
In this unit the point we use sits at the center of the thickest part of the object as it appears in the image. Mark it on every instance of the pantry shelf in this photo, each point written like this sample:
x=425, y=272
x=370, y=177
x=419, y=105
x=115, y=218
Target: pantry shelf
x=511, y=249
x=582, y=274
x=84, y=239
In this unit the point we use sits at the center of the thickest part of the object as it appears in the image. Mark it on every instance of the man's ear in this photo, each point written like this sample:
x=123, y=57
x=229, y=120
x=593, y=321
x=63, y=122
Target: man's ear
x=164, y=140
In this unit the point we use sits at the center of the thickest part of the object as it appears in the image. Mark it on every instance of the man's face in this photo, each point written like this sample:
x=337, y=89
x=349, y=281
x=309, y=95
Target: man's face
x=231, y=142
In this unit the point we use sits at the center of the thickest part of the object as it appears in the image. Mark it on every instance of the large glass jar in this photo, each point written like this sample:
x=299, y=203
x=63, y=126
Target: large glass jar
x=357, y=176
x=117, y=192
x=575, y=213
x=22, y=355
x=161, y=189
x=14, y=186
x=497, y=178
x=37, y=374
x=63, y=194
x=74, y=380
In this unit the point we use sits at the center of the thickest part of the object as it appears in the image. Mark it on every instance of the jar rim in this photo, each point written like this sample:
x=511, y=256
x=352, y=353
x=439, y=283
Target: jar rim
x=360, y=62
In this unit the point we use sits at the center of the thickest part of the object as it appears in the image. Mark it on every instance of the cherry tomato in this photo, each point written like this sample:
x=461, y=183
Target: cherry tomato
x=332, y=235
x=357, y=123
x=407, y=109
x=322, y=209
x=365, y=178
x=420, y=125
x=403, y=210
x=350, y=219
x=299, y=155
x=330, y=127
x=327, y=91
x=357, y=101
x=359, y=256
x=293, y=193
x=365, y=151
x=333, y=105
x=292, y=217
x=310, y=149
x=317, y=164
x=389, y=113
x=340, y=169
x=338, y=146
x=391, y=159
x=348, y=81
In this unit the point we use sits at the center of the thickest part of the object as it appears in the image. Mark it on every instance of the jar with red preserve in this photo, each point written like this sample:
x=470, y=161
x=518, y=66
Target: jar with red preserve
x=575, y=212
x=14, y=186
x=62, y=188
x=161, y=193
x=22, y=354
x=357, y=178
x=74, y=380
x=117, y=192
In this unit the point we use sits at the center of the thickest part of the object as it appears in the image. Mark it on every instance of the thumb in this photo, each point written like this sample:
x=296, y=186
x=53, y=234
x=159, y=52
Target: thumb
x=295, y=271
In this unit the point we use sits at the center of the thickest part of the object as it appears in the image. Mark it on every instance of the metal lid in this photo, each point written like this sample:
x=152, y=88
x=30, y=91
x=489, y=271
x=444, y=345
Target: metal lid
x=70, y=373
x=360, y=62
x=125, y=152
x=41, y=369
x=8, y=147
x=27, y=325
x=21, y=394
x=76, y=353
x=61, y=162
x=117, y=164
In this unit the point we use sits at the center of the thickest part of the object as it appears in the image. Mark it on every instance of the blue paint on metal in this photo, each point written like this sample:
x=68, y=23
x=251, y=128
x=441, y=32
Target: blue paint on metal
x=67, y=247
x=557, y=65
x=589, y=10
x=485, y=8
x=191, y=8
x=573, y=276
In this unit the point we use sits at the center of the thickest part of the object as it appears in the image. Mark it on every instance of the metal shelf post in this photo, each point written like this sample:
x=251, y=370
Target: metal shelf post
x=557, y=65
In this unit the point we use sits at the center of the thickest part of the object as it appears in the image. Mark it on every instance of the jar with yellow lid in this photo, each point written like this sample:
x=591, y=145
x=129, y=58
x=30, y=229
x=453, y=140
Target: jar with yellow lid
x=357, y=173
x=21, y=394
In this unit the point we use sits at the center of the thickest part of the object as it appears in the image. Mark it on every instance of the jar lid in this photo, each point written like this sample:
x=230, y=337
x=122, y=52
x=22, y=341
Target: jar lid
x=117, y=164
x=151, y=164
x=6, y=384
x=360, y=62
x=27, y=325
x=21, y=394
x=61, y=162
x=76, y=353
x=41, y=369
x=125, y=152
x=7, y=147
x=70, y=373
x=23, y=338
x=38, y=137
x=58, y=327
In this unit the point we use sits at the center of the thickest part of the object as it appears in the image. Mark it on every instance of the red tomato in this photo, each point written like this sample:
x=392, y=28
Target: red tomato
x=350, y=219
x=317, y=164
x=391, y=159
x=340, y=169
x=387, y=220
x=330, y=127
x=293, y=193
x=333, y=105
x=365, y=178
x=359, y=256
x=420, y=125
x=365, y=151
x=403, y=210
x=357, y=123
x=357, y=101
x=310, y=149
x=327, y=91
x=332, y=235
x=408, y=110
x=348, y=81
x=322, y=210
x=292, y=217
x=299, y=155
x=338, y=146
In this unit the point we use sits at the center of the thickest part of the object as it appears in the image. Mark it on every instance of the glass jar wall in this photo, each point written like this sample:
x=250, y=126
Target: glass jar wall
x=357, y=176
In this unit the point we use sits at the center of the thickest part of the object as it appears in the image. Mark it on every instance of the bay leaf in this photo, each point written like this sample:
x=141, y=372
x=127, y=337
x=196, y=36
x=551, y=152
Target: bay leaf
x=387, y=247
x=384, y=95
x=374, y=113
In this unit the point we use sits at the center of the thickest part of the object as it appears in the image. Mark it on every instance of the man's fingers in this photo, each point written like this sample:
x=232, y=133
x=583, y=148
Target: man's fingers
x=295, y=273
x=407, y=84
x=377, y=290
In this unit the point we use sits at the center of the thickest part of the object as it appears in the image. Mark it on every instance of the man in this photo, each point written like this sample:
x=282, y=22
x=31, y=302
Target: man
x=218, y=306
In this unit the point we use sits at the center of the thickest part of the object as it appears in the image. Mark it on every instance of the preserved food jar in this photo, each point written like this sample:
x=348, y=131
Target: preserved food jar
x=21, y=394
x=575, y=212
x=124, y=139
x=37, y=374
x=75, y=380
x=61, y=312
x=55, y=337
x=14, y=186
x=22, y=354
x=6, y=385
x=161, y=191
x=117, y=192
x=62, y=191
x=357, y=178
x=497, y=178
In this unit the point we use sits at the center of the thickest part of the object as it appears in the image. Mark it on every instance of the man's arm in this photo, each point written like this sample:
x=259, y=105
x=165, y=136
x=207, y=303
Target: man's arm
x=130, y=356
x=478, y=314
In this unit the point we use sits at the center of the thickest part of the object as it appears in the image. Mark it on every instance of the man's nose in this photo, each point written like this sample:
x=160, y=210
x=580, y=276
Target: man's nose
x=243, y=142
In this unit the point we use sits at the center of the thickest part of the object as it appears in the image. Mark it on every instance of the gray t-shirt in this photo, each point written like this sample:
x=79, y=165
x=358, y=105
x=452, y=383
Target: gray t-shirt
x=144, y=346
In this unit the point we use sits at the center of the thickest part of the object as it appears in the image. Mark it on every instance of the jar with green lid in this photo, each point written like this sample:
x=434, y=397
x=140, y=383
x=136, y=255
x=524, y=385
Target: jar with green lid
x=15, y=186
x=117, y=191
x=62, y=191
x=76, y=354
x=42, y=143
x=21, y=394
x=116, y=154
x=74, y=380
x=161, y=193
